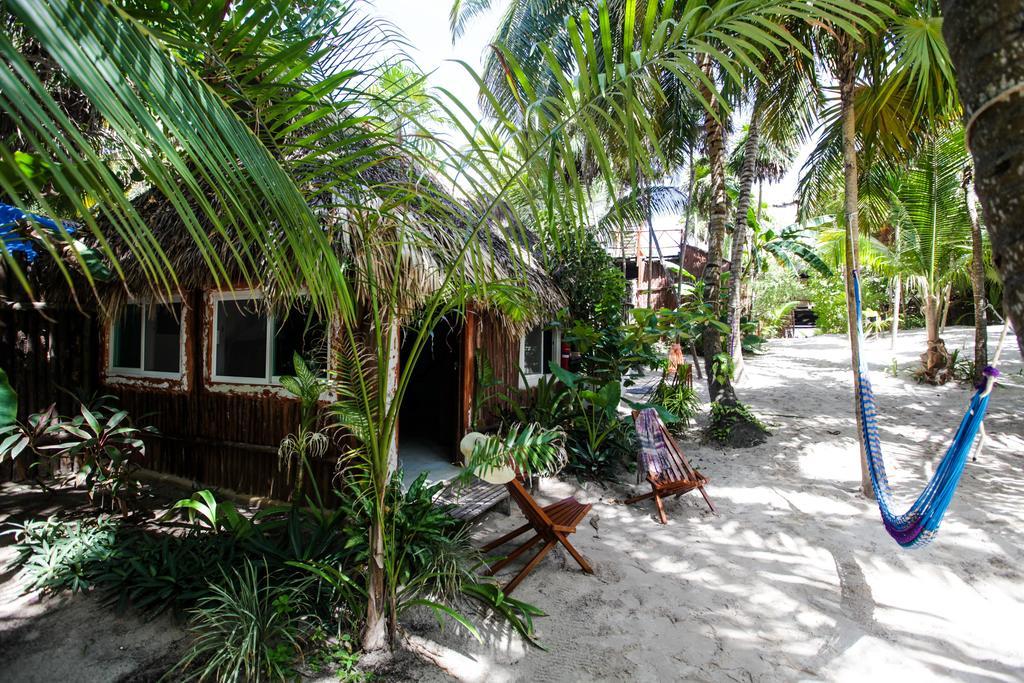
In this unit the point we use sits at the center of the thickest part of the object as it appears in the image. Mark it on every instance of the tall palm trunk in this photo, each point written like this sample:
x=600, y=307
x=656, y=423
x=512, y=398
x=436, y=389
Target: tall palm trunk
x=847, y=74
x=986, y=43
x=897, y=297
x=739, y=236
x=977, y=283
x=897, y=292
x=375, y=633
x=714, y=140
x=684, y=237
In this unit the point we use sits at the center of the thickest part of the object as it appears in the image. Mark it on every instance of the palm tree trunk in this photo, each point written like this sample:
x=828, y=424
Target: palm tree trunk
x=847, y=74
x=897, y=296
x=375, y=633
x=897, y=289
x=986, y=43
x=947, y=298
x=977, y=288
x=685, y=236
x=650, y=248
x=935, y=360
x=714, y=140
x=739, y=237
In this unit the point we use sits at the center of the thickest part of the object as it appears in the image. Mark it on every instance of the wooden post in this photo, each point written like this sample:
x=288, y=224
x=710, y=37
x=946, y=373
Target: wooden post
x=468, y=377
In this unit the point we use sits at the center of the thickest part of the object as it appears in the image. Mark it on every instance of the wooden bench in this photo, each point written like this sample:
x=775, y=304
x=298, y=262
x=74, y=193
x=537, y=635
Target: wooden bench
x=474, y=499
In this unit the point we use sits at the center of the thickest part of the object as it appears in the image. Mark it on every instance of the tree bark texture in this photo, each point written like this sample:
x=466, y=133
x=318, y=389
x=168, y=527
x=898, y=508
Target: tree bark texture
x=739, y=237
x=847, y=74
x=714, y=140
x=986, y=43
x=977, y=286
x=684, y=237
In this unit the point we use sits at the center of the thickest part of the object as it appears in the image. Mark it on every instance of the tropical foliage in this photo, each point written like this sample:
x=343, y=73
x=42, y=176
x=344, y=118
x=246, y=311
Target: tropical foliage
x=302, y=155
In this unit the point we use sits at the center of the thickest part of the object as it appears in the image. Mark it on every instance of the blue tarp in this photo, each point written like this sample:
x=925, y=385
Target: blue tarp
x=12, y=238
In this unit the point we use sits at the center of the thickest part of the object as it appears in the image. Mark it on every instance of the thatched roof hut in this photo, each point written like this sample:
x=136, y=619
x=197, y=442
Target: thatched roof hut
x=435, y=230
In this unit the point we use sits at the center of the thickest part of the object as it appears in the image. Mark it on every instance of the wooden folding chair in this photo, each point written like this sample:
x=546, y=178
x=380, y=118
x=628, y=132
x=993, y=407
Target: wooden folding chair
x=668, y=471
x=551, y=524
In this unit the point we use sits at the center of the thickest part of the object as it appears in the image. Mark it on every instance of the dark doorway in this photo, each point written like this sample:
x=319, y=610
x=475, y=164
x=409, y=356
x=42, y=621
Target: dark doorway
x=428, y=422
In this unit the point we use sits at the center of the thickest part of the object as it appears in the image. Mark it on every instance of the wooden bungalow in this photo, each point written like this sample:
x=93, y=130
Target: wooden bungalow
x=203, y=366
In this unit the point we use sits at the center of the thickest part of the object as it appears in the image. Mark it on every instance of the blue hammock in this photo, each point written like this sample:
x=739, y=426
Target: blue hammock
x=918, y=525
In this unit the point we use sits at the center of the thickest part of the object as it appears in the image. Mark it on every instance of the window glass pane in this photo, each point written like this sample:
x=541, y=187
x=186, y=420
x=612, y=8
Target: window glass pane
x=163, y=338
x=128, y=338
x=533, y=352
x=241, y=339
x=304, y=333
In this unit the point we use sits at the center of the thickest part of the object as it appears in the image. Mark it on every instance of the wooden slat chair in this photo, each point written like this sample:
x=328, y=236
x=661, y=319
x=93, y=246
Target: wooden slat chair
x=551, y=524
x=668, y=471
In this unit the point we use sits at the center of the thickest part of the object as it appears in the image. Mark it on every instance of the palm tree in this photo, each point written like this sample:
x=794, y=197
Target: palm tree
x=907, y=80
x=784, y=107
x=982, y=38
x=936, y=236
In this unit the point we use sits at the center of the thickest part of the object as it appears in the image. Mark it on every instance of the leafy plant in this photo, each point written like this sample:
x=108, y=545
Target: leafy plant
x=8, y=402
x=248, y=628
x=547, y=405
x=594, y=287
x=58, y=555
x=963, y=368
x=529, y=448
x=102, y=442
x=158, y=572
x=679, y=399
x=29, y=438
x=724, y=417
x=723, y=367
x=308, y=442
x=339, y=655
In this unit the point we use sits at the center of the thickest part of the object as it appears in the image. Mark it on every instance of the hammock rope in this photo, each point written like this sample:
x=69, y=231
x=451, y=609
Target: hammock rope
x=920, y=523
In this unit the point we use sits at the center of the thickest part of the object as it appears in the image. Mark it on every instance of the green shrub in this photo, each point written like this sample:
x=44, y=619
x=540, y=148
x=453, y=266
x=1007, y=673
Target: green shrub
x=428, y=541
x=594, y=287
x=248, y=627
x=724, y=418
x=57, y=555
x=828, y=299
x=156, y=572
x=679, y=399
x=776, y=293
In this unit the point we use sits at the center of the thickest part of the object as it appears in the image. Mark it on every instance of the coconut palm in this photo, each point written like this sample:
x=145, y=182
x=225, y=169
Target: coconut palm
x=891, y=86
x=784, y=108
x=936, y=236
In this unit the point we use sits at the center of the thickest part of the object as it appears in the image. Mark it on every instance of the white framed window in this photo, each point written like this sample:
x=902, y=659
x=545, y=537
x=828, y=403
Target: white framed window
x=253, y=346
x=148, y=340
x=537, y=348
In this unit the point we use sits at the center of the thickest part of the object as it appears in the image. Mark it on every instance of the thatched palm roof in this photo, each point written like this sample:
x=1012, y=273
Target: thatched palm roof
x=433, y=228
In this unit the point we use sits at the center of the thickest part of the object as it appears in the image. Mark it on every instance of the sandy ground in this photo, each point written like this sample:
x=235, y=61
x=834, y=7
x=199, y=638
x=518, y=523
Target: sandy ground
x=71, y=638
x=795, y=578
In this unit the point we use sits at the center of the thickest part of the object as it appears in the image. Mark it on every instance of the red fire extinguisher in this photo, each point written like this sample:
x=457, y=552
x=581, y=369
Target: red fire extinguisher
x=564, y=358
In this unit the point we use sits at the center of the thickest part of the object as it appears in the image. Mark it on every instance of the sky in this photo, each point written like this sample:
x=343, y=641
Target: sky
x=424, y=23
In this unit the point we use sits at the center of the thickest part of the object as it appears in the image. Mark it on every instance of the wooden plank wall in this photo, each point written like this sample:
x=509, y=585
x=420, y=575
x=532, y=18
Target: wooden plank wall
x=49, y=358
x=216, y=439
x=500, y=347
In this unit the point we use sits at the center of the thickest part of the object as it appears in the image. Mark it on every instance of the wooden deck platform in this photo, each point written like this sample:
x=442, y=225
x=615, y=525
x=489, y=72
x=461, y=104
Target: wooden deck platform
x=474, y=499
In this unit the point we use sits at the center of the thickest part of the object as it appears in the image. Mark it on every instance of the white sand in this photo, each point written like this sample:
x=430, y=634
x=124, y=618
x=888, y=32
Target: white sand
x=795, y=578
